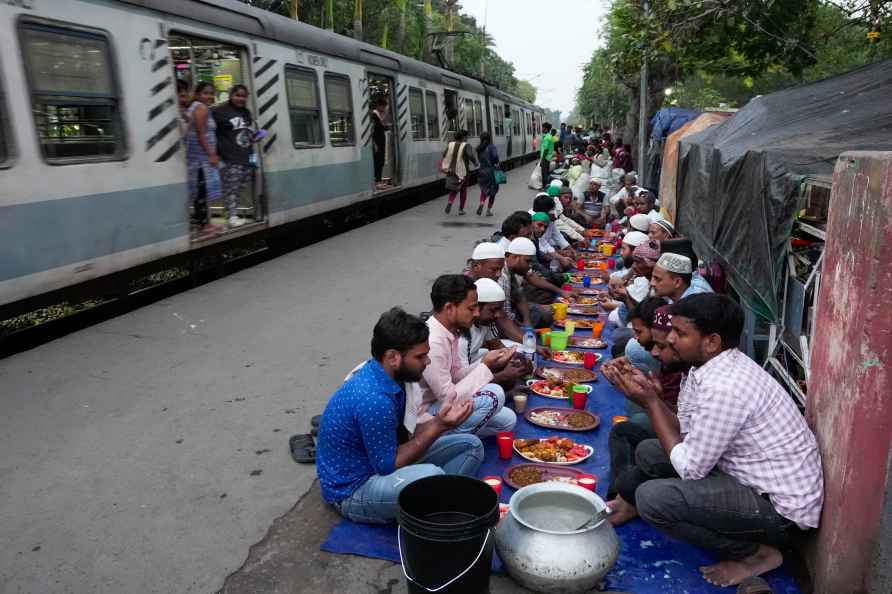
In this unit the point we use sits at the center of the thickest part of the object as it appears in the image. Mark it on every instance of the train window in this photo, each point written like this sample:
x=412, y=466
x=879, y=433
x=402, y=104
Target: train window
x=73, y=94
x=339, y=101
x=433, y=117
x=303, y=106
x=516, y=122
x=5, y=138
x=478, y=116
x=470, y=122
x=416, y=113
x=499, y=120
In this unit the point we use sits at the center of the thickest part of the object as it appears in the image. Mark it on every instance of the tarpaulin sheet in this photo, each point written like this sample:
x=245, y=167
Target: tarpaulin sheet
x=738, y=182
x=669, y=169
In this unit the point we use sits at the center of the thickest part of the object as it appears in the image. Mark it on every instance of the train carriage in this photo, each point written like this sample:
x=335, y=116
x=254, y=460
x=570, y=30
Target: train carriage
x=90, y=136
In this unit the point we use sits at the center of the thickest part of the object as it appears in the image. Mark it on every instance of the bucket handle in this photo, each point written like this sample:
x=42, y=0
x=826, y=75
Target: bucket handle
x=399, y=544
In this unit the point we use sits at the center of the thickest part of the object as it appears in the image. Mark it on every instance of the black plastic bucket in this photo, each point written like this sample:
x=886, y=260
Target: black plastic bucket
x=446, y=534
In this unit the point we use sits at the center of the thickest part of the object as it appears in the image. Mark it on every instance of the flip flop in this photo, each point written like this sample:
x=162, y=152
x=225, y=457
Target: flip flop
x=303, y=448
x=754, y=585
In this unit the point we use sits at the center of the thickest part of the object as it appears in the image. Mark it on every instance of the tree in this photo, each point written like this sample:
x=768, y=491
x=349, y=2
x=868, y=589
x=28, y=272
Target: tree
x=600, y=99
x=525, y=90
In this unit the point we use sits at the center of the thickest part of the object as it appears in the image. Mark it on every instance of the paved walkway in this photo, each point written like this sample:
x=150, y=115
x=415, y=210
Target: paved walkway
x=149, y=453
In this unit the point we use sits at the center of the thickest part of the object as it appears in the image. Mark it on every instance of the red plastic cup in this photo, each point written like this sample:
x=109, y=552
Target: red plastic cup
x=579, y=400
x=580, y=264
x=611, y=264
x=589, y=360
x=567, y=287
x=587, y=481
x=494, y=482
x=505, y=440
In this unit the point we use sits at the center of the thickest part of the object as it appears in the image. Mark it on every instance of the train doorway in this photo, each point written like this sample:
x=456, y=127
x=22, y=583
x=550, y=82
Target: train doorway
x=197, y=60
x=385, y=132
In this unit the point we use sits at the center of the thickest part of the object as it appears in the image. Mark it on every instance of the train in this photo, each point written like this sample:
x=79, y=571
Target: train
x=91, y=155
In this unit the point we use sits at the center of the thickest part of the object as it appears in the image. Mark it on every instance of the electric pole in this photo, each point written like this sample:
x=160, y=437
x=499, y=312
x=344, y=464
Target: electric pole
x=642, y=108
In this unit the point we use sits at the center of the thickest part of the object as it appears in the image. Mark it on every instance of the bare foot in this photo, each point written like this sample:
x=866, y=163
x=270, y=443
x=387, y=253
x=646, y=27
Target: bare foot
x=731, y=573
x=623, y=511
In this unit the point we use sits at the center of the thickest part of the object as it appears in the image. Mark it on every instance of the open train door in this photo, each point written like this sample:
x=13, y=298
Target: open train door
x=385, y=146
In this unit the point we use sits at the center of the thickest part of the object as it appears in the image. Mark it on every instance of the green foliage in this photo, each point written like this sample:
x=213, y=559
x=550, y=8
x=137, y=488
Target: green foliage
x=600, y=98
x=525, y=90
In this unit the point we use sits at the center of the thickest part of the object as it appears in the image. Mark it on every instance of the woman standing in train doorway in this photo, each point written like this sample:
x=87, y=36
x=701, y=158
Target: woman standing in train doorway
x=202, y=160
x=235, y=139
x=488, y=156
x=379, y=140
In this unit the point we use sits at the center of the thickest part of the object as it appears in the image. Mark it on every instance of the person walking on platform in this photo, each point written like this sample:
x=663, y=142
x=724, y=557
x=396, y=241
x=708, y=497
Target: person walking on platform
x=202, y=160
x=447, y=379
x=488, y=156
x=235, y=142
x=456, y=164
x=371, y=445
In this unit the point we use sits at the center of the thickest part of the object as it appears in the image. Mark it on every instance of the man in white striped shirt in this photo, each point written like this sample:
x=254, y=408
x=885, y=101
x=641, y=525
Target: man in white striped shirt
x=737, y=471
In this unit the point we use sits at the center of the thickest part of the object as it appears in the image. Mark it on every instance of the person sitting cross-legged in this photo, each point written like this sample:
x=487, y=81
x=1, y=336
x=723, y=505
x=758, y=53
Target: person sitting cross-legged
x=370, y=443
x=671, y=278
x=736, y=470
x=448, y=378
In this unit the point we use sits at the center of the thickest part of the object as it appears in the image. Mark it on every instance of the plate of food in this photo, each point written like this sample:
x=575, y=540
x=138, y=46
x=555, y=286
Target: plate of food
x=592, y=255
x=584, y=310
x=580, y=300
x=580, y=323
x=568, y=419
x=523, y=475
x=587, y=343
x=593, y=264
x=576, y=279
x=553, y=450
x=592, y=291
x=567, y=374
x=571, y=357
x=552, y=388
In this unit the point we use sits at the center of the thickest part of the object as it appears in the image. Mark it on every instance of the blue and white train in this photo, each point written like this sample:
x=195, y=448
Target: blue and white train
x=91, y=161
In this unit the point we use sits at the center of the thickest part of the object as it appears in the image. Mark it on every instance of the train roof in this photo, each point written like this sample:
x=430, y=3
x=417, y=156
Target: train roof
x=262, y=23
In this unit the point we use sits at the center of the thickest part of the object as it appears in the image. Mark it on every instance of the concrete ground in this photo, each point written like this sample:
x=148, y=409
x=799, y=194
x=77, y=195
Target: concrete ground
x=150, y=452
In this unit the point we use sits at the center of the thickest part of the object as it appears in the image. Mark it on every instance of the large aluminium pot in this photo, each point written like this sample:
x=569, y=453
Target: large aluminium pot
x=541, y=548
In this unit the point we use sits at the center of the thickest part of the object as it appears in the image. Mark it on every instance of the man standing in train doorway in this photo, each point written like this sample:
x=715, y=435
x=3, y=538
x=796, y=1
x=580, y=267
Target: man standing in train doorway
x=379, y=139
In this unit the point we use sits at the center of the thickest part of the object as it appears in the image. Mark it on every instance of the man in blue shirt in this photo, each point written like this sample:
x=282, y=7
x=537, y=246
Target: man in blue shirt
x=365, y=456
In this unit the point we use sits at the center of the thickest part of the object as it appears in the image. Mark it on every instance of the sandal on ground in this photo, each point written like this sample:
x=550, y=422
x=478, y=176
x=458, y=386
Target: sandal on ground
x=303, y=448
x=754, y=585
x=479, y=210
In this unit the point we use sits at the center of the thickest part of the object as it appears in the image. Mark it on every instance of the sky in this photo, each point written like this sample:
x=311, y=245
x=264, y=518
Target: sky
x=553, y=65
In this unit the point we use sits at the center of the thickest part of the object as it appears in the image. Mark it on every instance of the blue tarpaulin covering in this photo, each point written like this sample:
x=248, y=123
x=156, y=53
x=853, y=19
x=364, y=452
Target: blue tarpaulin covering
x=668, y=120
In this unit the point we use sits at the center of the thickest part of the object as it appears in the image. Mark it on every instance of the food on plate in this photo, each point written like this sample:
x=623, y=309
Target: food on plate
x=577, y=376
x=587, y=343
x=578, y=419
x=552, y=449
x=523, y=476
x=553, y=387
x=584, y=310
x=580, y=323
x=568, y=357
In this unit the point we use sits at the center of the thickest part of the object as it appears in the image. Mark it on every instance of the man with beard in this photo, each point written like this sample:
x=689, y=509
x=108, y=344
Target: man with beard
x=625, y=437
x=671, y=278
x=746, y=473
x=370, y=446
x=448, y=379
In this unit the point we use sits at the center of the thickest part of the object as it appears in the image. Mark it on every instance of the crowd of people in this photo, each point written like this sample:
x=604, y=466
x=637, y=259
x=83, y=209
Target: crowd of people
x=714, y=452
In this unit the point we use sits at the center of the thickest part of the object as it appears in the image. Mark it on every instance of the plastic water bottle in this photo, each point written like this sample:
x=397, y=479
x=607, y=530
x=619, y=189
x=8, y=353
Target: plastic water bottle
x=529, y=346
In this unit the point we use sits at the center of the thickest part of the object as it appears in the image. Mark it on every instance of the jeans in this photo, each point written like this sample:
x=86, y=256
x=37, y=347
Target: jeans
x=489, y=416
x=376, y=501
x=715, y=513
x=545, y=166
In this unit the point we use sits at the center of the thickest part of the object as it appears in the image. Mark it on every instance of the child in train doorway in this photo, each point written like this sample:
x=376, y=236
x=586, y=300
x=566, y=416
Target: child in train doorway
x=488, y=156
x=202, y=159
x=456, y=161
x=235, y=144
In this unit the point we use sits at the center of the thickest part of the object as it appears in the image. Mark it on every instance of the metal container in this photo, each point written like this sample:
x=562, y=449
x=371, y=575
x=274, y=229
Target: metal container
x=540, y=546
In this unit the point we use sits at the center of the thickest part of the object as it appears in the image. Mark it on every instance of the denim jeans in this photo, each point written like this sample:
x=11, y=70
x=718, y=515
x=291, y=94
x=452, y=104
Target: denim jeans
x=715, y=513
x=376, y=501
x=490, y=415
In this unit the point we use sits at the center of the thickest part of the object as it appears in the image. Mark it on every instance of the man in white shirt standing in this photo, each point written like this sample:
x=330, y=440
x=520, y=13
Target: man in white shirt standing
x=736, y=471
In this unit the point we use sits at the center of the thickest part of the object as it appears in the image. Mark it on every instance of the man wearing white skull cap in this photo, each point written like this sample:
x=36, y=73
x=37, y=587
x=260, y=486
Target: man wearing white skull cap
x=671, y=278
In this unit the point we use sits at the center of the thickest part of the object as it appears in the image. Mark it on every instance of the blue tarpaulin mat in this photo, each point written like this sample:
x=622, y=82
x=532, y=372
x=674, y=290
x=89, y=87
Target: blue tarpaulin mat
x=649, y=562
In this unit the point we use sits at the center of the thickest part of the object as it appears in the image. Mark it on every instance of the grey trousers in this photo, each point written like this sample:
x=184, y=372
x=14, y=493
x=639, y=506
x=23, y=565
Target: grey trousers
x=715, y=513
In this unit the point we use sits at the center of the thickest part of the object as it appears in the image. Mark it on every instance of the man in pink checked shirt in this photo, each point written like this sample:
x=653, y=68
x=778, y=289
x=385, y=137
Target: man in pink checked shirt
x=447, y=378
x=737, y=471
